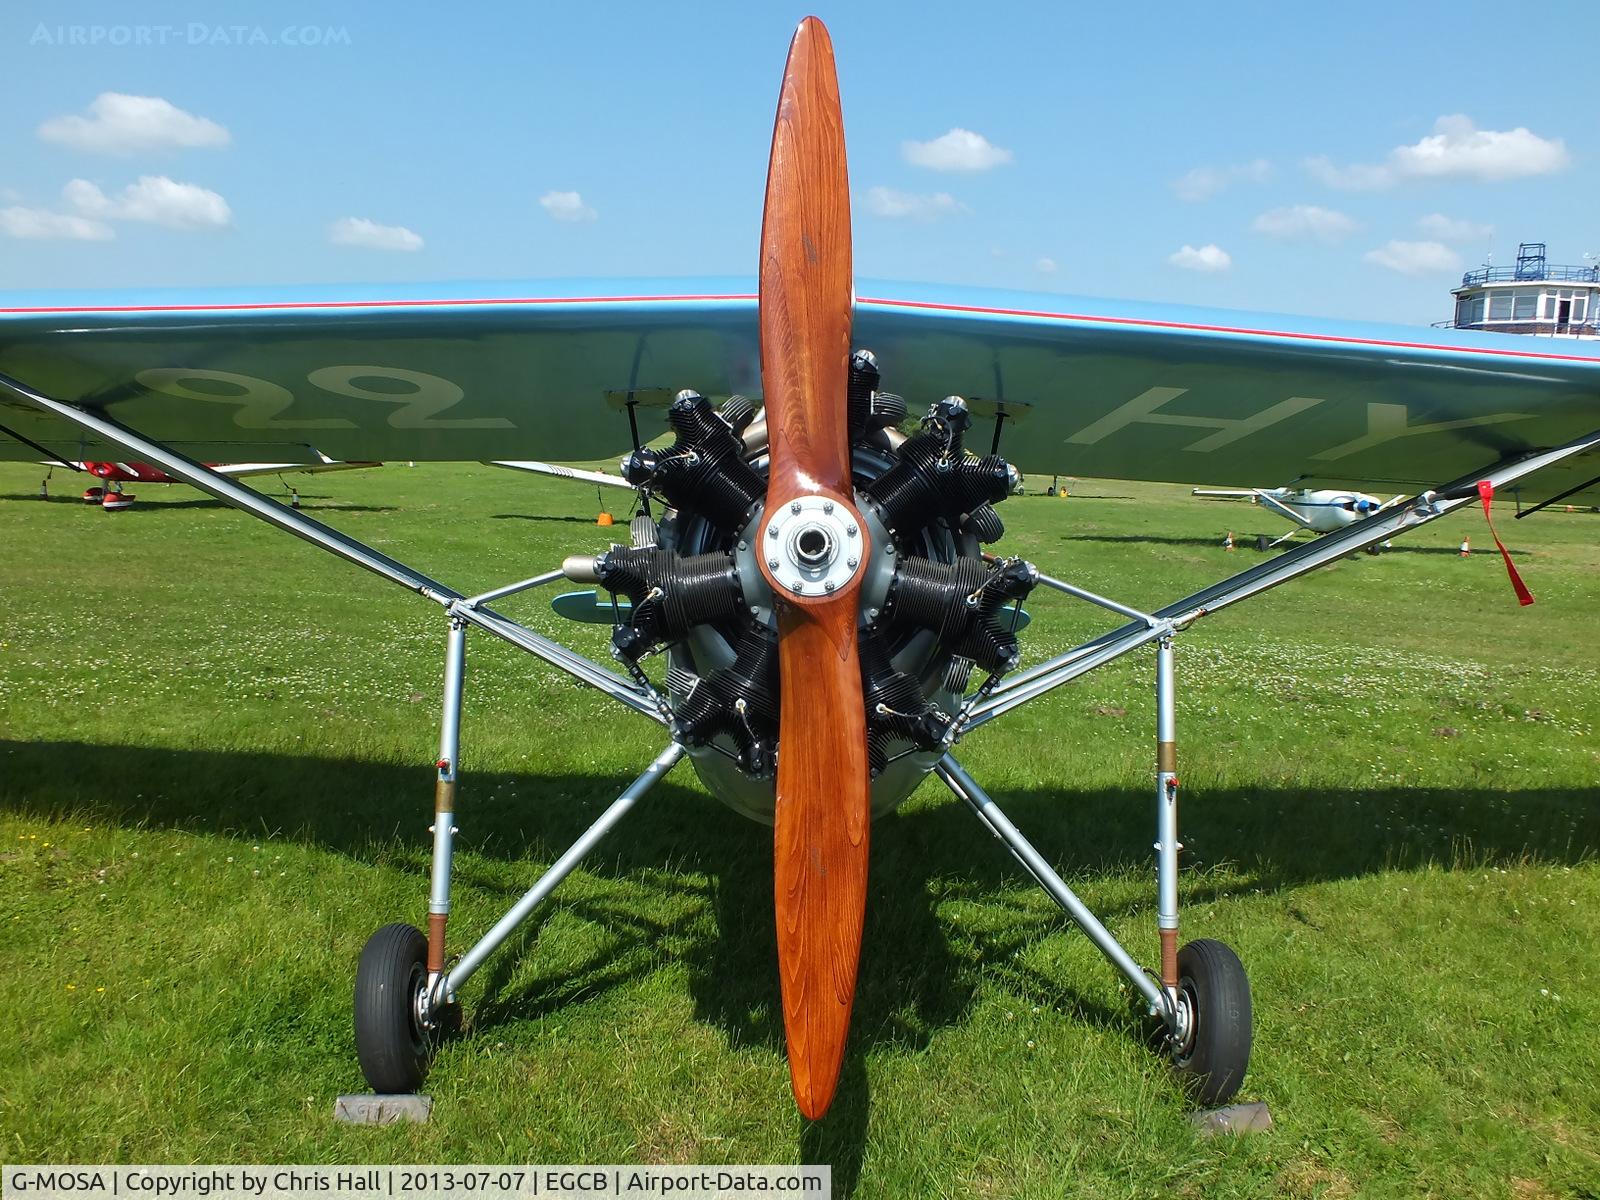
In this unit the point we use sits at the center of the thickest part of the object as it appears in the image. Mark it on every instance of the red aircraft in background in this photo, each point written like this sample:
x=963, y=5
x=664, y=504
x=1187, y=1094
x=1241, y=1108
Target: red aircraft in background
x=111, y=497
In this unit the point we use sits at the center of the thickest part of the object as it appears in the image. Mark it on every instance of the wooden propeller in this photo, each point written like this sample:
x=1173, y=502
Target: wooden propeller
x=823, y=803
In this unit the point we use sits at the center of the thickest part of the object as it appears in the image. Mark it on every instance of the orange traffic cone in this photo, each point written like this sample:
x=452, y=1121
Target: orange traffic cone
x=605, y=518
x=1227, y=542
x=1466, y=547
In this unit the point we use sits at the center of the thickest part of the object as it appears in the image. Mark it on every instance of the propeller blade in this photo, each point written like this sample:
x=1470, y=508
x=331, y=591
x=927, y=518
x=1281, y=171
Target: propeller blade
x=823, y=801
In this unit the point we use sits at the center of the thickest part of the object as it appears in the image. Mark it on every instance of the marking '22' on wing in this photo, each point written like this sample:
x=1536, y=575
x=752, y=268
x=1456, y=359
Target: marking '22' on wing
x=259, y=403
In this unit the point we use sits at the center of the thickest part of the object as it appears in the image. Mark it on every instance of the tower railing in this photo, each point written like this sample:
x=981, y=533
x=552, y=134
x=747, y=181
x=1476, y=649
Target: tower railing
x=1542, y=274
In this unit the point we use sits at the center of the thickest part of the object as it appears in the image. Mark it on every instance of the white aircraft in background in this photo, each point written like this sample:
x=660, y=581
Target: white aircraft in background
x=1315, y=511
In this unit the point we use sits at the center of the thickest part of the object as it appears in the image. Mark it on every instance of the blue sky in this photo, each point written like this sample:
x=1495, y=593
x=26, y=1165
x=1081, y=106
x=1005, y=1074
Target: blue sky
x=1338, y=160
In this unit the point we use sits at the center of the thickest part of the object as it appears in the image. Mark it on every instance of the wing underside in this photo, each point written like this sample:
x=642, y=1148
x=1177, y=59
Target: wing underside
x=1078, y=387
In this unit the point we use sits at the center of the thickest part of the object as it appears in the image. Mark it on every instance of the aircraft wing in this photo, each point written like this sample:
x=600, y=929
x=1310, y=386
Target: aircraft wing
x=546, y=371
x=246, y=470
x=599, y=478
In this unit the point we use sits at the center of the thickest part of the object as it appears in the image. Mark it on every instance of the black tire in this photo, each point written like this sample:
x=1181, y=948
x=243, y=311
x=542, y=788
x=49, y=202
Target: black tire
x=1212, y=1059
x=393, y=1049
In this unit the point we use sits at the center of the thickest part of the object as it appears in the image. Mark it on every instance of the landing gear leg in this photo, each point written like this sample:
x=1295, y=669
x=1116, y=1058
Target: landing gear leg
x=401, y=1011
x=445, y=1011
x=1201, y=995
x=405, y=997
x=1204, y=982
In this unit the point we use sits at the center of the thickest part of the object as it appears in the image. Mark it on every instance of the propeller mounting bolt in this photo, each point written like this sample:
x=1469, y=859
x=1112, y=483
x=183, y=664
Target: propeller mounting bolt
x=827, y=507
x=772, y=564
x=798, y=586
x=852, y=563
x=795, y=507
x=772, y=531
x=829, y=586
x=850, y=531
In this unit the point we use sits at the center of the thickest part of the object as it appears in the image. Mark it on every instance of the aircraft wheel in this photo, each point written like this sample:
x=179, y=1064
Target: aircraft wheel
x=392, y=1045
x=1214, y=1051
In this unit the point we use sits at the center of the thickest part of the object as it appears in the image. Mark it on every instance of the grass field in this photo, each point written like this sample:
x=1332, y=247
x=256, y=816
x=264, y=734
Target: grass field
x=215, y=749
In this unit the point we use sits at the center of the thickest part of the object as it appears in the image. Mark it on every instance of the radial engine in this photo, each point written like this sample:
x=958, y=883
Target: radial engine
x=936, y=606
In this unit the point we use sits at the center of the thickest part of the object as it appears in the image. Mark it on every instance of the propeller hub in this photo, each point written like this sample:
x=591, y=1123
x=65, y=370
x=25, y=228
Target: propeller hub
x=812, y=546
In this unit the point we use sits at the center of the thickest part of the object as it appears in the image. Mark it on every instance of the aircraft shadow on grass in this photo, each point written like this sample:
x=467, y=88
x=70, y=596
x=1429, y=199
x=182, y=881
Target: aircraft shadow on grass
x=919, y=971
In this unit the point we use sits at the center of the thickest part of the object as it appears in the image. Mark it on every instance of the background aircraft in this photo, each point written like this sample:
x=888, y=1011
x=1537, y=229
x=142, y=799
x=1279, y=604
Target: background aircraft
x=1313, y=510
x=112, y=498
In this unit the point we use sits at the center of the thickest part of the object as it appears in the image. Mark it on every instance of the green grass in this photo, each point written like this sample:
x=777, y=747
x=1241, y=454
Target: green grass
x=215, y=750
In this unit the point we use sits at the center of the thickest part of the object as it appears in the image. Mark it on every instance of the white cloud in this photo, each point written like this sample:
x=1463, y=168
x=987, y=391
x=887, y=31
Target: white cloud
x=1046, y=266
x=1415, y=258
x=958, y=150
x=566, y=206
x=887, y=202
x=38, y=224
x=358, y=231
x=153, y=198
x=1209, y=257
x=1448, y=229
x=122, y=124
x=1304, y=221
x=1456, y=149
x=1357, y=177
x=1202, y=183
